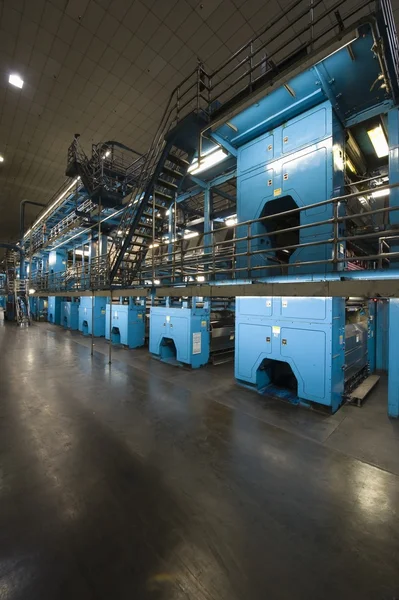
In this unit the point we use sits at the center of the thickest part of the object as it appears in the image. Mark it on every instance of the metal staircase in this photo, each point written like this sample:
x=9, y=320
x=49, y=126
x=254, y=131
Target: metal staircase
x=161, y=178
x=17, y=289
x=109, y=174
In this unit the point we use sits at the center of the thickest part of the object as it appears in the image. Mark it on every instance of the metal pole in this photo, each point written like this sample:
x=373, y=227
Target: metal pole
x=311, y=12
x=92, y=323
x=110, y=329
x=153, y=234
x=336, y=234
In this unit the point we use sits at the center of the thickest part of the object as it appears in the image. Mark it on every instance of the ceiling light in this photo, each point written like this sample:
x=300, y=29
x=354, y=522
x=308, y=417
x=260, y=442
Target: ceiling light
x=380, y=193
x=80, y=252
x=15, y=80
x=379, y=141
x=32, y=291
x=200, y=278
x=119, y=232
x=191, y=234
x=1, y=158
x=231, y=221
x=206, y=162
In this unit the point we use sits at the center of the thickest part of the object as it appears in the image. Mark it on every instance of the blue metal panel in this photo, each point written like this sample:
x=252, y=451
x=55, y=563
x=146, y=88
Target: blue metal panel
x=54, y=310
x=296, y=165
x=187, y=328
x=381, y=332
x=305, y=333
x=70, y=315
x=128, y=324
x=393, y=372
x=86, y=322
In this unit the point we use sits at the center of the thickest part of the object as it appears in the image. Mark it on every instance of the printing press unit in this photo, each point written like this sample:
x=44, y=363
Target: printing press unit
x=280, y=168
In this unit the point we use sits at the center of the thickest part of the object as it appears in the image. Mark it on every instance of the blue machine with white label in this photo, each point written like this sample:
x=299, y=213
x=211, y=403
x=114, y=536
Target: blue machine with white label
x=54, y=310
x=181, y=334
x=299, y=163
x=295, y=343
x=310, y=350
x=89, y=321
x=70, y=315
x=128, y=322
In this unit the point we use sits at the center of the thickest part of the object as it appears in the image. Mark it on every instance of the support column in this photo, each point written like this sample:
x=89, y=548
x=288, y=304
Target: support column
x=393, y=142
x=208, y=223
x=393, y=358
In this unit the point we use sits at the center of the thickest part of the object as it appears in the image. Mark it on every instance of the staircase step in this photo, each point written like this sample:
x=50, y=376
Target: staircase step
x=163, y=195
x=157, y=217
x=167, y=184
x=178, y=160
x=172, y=172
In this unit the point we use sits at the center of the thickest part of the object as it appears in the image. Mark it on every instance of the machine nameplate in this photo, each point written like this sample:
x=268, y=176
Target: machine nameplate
x=285, y=303
x=277, y=191
x=196, y=343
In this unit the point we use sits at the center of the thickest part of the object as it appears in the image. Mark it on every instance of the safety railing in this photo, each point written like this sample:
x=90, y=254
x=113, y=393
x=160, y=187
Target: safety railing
x=248, y=250
x=307, y=25
x=93, y=275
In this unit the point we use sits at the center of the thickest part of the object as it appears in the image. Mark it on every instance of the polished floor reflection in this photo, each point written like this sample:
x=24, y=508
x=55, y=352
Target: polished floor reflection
x=146, y=481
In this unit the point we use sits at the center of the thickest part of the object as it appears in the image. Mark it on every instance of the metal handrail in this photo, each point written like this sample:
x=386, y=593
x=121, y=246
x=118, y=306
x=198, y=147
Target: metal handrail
x=174, y=262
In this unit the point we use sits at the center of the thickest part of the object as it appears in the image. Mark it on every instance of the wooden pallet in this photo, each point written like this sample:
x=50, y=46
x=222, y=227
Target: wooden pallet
x=359, y=394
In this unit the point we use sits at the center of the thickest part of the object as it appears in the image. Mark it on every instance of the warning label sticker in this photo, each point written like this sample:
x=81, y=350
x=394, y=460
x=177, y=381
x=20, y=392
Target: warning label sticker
x=196, y=343
x=276, y=330
x=277, y=191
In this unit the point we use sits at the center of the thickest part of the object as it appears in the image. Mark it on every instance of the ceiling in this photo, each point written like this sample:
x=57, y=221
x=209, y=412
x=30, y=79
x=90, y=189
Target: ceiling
x=104, y=69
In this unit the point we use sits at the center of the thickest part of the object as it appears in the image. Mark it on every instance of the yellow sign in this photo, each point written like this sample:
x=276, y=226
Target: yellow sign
x=277, y=191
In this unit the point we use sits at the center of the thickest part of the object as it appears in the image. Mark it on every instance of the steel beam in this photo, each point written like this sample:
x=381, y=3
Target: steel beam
x=367, y=288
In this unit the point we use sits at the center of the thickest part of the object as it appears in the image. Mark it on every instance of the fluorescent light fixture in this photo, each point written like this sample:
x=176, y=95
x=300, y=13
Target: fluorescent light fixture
x=32, y=291
x=231, y=221
x=349, y=40
x=200, y=278
x=53, y=205
x=153, y=245
x=362, y=200
x=108, y=152
x=350, y=165
x=156, y=282
x=380, y=193
x=207, y=161
x=191, y=234
x=1, y=158
x=16, y=80
x=119, y=232
x=80, y=252
x=379, y=141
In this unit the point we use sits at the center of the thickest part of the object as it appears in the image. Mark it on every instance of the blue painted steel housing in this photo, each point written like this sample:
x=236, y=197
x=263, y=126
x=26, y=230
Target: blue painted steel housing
x=180, y=334
x=295, y=165
x=54, y=310
x=306, y=333
x=88, y=325
x=70, y=315
x=127, y=325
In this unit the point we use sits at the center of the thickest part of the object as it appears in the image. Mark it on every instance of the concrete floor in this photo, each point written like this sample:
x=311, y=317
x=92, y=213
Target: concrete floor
x=145, y=481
